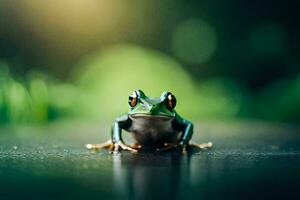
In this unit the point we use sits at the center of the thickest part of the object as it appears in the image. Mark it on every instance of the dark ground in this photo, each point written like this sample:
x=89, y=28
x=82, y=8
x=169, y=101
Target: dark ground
x=249, y=160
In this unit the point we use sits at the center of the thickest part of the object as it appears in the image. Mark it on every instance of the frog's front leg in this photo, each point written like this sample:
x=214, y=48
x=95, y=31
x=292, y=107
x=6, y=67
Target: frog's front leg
x=186, y=129
x=116, y=143
x=187, y=133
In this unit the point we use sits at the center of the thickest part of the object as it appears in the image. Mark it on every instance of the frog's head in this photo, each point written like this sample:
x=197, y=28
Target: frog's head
x=141, y=105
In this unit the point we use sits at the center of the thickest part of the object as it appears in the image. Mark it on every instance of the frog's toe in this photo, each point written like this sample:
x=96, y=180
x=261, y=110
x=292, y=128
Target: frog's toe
x=106, y=145
x=202, y=146
x=136, y=146
x=117, y=147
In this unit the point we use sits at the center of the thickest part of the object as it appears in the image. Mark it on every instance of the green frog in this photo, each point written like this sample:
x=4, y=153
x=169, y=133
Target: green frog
x=154, y=124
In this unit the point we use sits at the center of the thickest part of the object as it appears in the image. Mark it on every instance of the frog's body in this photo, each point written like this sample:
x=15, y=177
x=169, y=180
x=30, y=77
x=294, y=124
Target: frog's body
x=153, y=123
x=153, y=131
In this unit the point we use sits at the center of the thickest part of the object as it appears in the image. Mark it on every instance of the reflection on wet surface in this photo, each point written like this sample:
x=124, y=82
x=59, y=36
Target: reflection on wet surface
x=149, y=176
x=206, y=175
x=240, y=166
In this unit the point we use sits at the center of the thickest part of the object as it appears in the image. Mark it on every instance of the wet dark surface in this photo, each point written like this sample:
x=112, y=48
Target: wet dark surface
x=248, y=161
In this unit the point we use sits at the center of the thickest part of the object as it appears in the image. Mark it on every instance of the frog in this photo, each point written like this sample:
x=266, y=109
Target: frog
x=154, y=125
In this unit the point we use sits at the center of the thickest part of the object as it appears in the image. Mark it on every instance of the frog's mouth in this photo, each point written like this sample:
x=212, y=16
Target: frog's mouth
x=143, y=115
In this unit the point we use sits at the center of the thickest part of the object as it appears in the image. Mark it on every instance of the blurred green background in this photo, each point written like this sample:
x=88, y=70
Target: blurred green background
x=74, y=59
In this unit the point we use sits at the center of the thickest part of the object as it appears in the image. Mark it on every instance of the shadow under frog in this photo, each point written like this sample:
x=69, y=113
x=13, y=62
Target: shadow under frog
x=149, y=175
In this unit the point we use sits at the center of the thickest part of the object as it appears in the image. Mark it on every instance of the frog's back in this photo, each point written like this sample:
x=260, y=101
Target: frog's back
x=153, y=131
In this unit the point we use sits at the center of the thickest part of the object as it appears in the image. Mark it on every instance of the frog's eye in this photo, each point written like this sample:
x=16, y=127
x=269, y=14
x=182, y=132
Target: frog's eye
x=133, y=99
x=171, y=101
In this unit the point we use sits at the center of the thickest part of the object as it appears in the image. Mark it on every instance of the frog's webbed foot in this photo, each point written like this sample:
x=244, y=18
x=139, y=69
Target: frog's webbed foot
x=114, y=147
x=122, y=146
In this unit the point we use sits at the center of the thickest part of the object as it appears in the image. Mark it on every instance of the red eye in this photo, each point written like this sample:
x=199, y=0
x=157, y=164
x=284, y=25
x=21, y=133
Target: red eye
x=171, y=101
x=132, y=99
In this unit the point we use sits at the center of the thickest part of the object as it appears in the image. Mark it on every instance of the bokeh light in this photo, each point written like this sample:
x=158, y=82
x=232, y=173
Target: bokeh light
x=194, y=41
